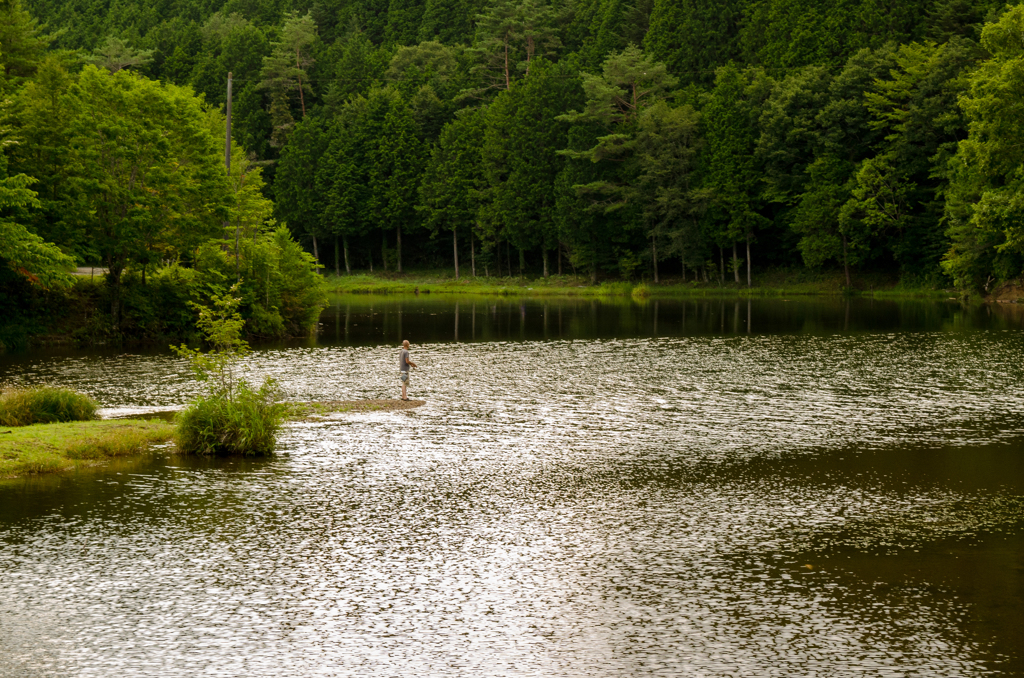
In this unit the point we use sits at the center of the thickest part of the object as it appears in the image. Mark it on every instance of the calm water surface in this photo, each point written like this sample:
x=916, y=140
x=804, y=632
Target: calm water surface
x=777, y=488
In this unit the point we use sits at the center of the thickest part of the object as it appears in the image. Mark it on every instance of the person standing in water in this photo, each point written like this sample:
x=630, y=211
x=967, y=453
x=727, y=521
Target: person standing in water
x=403, y=368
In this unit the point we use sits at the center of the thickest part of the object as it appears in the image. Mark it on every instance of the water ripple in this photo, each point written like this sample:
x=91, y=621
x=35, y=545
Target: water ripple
x=698, y=506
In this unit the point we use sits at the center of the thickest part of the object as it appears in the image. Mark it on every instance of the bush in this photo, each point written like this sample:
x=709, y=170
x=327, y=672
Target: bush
x=282, y=294
x=44, y=405
x=641, y=291
x=216, y=424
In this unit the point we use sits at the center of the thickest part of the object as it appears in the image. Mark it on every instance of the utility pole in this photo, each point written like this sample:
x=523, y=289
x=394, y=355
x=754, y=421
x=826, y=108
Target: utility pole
x=227, y=164
x=227, y=137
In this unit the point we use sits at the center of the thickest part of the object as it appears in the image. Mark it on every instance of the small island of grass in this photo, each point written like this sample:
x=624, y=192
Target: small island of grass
x=47, y=448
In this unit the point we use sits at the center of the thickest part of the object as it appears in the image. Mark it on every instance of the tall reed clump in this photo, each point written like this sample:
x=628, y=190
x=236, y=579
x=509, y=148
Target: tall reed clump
x=44, y=405
x=232, y=417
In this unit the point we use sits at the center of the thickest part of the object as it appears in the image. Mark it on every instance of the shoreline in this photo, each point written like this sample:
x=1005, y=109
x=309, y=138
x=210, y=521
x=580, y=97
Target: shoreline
x=773, y=285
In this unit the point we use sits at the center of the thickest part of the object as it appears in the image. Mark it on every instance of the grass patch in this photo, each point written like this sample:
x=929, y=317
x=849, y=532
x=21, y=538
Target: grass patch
x=245, y=424
x=641, y=291
x=44, y=405
x=773, y=283
x=429, y=283
x=47, y=448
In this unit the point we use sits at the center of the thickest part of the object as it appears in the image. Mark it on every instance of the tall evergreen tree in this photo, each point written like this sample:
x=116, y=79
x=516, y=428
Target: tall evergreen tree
x=453, y=181
x=284, y=73
x=730, y=168
x=521, y=158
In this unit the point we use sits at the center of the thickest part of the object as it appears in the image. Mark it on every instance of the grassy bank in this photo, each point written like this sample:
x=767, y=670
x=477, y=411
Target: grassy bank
x=46, y=448
x=770, y=284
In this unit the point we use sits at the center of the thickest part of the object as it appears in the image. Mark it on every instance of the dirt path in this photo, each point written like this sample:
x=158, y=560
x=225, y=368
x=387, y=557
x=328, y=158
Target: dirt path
x=89, y=272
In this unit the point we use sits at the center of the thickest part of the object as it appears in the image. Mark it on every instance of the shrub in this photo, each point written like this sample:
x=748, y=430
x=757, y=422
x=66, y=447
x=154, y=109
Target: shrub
x=280, y=290
x=44, y=405
x=216, y=424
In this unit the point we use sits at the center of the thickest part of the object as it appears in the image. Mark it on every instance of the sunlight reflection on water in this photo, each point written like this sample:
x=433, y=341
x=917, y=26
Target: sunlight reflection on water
x=590, y=507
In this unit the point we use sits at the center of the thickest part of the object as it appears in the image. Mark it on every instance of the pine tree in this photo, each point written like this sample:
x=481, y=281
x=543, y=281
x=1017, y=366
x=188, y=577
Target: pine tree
x=284, y=72
x=450, y=192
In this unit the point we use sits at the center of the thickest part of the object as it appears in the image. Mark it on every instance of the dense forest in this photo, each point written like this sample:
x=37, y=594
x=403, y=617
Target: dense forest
x=664, y=137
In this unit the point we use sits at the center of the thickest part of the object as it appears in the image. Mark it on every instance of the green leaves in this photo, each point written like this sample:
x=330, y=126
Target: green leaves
x=450, y=192
x=115, y=55
x=221, y=325
x=284, y=73
x=629, y=80
x=28, y=254
x=510, y=35
x=147, y=165
x=984, y=210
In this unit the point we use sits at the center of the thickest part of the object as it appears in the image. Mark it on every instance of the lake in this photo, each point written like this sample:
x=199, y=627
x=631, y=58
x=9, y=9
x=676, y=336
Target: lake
x=812, y=487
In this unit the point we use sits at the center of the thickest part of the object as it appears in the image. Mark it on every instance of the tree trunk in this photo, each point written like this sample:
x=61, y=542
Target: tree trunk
x=316, y=254
x=684, y=270
x=114, y=280
x=721, y=263
x=472, y=253
x=302, y=99
x=508, y=77
x=455, y=250
x=735, y=263
x=371, y=260
x=654, y=256
x=337, y=262
x=398, y=247
x=522, y=262
x=508, y=258
x=384, y=251
x=558, y=253
x=846, y=264
x=344, y=243
x=544, y=256
x=749, y=283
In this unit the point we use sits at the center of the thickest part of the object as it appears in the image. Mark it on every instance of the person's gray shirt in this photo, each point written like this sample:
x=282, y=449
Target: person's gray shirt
x=403, y=360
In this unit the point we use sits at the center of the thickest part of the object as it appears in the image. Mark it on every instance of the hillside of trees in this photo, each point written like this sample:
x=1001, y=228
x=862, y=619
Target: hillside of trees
x=668, y=137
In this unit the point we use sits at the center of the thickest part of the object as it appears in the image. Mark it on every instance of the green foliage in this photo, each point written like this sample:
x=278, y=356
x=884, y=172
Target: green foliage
x=49, y=448
x=695, y=37
x=148, y=177
x=114, y=55
x=984, y=210
x=450, y=192
x=246, y=424
x=22, y=41
x=44, y=405
x=520, y=160
x=221, y=325
x=284, y=74
x=850, y=133
x=510, y=34
x=20, y=249
x=232, y=418
x=732, y=176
